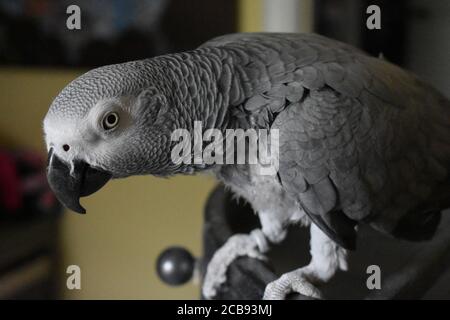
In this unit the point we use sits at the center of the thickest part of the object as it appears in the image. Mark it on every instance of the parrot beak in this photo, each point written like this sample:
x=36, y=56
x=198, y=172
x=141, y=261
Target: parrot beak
x=69, y=187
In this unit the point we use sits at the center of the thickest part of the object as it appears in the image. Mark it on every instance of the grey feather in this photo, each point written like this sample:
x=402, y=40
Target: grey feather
x=360, y=115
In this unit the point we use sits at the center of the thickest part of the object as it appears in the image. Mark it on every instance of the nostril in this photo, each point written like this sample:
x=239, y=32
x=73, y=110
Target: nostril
x=66, y=147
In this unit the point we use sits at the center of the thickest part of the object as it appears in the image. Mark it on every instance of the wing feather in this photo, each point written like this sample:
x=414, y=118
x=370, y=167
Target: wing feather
x=360, y=138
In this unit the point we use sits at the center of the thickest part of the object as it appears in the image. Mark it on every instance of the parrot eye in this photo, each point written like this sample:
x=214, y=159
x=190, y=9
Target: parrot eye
x=110, y=121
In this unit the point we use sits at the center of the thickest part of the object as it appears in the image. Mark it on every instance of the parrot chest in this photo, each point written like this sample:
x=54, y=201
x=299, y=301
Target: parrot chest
x=264, y=193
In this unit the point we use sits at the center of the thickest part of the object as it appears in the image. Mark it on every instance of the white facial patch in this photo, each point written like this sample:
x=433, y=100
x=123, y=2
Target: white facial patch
x=65, y=137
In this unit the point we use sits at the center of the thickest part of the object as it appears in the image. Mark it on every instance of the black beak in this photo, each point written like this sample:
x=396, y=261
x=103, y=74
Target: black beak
x=67, y=187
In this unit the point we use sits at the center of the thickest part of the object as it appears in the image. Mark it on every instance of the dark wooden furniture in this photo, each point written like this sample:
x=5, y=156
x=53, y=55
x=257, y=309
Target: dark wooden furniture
x=409, y=270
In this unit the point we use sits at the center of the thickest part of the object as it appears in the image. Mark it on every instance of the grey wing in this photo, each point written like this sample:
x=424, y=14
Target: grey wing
x=360, y=139
x=371, y=145
x=318, y=162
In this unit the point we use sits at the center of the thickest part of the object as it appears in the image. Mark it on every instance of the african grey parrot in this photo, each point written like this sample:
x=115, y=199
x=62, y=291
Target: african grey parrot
x=360, y=141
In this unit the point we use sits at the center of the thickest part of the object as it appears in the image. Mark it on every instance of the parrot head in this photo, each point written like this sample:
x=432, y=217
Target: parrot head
x=111, y=122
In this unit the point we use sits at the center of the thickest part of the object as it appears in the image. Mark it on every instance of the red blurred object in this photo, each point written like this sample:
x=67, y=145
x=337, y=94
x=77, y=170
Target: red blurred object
x=23, y=184
x=10, y=195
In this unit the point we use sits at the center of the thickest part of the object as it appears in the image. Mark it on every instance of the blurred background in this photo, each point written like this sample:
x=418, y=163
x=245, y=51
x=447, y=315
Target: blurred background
x=130, y=222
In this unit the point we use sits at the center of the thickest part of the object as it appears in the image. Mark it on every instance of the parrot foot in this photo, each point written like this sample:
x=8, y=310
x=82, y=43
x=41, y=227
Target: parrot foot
x=295, y=281
x=251, y=245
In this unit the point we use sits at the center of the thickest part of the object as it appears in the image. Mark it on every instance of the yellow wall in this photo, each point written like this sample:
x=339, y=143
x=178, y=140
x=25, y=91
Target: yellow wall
x=129, y=222
x=250, y=15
